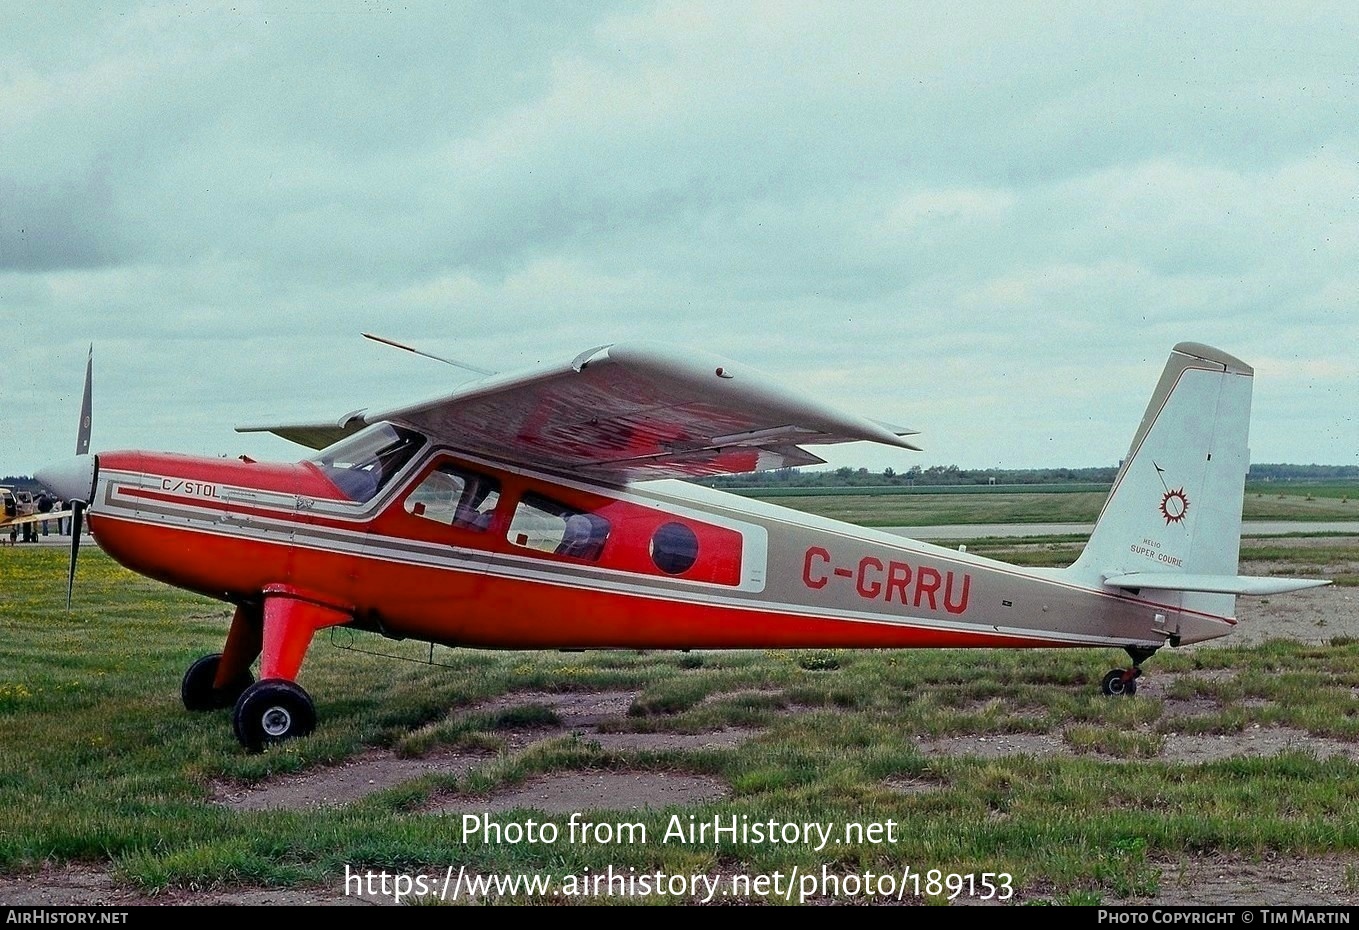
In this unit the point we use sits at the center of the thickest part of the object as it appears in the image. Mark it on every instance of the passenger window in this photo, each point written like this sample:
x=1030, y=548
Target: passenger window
x=547, y=526
x=454, y=497
x=674, y=548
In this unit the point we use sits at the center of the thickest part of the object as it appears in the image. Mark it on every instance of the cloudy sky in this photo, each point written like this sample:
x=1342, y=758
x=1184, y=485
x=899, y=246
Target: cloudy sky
x=989, y=222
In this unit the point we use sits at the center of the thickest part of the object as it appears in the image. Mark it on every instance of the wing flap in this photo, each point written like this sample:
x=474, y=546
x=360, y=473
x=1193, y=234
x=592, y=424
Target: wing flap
x=1253, y=585
x=704, y=462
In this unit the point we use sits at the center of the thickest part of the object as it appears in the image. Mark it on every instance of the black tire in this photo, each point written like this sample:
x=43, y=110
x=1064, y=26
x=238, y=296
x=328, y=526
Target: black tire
x=272, y=711
x=197, y=691
x=1114, y=685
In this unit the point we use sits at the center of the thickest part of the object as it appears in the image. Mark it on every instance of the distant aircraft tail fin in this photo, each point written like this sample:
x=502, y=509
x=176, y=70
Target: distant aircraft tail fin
x=1175, y=507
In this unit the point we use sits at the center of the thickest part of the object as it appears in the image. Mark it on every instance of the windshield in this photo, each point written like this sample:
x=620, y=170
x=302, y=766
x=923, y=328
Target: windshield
x=362, y=464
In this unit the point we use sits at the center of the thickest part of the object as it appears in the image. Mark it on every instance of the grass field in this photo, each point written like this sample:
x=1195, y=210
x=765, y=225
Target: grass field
x=100, y=764
x=1322, y=556
x=936, y=506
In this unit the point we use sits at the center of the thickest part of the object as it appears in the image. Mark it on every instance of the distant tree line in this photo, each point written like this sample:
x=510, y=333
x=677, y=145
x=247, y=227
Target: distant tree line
x=1277, y=472
x=915, y=476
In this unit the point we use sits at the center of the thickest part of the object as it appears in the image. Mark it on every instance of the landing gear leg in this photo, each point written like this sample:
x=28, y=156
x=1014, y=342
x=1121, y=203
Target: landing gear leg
x=1123, y=681
x=275, y=708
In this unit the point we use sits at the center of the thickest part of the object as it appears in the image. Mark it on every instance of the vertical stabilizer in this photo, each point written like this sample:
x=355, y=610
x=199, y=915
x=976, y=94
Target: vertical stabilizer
x=1175, y=507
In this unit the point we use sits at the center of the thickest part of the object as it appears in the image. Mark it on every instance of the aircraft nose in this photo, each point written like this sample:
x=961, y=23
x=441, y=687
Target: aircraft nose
x=71, y=480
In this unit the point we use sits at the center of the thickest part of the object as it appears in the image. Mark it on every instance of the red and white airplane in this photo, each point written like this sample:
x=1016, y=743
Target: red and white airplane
x=538, y=510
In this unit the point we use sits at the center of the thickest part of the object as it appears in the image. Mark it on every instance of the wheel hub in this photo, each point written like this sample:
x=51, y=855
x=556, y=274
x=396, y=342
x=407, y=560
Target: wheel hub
x=276, y=721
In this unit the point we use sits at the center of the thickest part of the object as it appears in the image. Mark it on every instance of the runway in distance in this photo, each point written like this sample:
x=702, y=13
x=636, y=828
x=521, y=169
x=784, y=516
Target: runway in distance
x=540, y=510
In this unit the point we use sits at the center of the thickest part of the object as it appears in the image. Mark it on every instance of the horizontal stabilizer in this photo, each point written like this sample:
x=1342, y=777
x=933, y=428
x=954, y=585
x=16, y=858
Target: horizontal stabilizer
x=898, y=430
x=1214, y=584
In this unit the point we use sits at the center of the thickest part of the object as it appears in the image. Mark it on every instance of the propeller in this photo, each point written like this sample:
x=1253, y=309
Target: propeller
x=77, y=519
x=83, y=434
x=74, y=480
x=82, y=448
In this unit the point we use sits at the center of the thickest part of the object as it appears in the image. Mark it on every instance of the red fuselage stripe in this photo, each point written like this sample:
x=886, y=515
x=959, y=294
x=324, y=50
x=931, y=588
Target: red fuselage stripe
x=474, y=608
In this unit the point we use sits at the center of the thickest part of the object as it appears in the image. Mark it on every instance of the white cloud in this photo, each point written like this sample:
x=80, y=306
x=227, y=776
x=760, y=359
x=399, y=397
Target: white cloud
x=991, y=223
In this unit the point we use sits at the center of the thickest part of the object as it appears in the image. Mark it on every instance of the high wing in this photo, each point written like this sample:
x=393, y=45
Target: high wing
x=624, y=413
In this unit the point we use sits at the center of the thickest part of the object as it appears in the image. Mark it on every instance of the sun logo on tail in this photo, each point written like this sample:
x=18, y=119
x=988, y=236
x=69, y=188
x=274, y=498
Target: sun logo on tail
x=1174, y=506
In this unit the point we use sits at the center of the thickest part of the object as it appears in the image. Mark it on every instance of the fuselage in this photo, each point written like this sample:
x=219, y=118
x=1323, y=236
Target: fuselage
x=465, y=551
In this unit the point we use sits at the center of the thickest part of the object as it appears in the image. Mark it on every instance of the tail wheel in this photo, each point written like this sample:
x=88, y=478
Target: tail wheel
x=272, y=711
x=1119, y=682
x=199, y=691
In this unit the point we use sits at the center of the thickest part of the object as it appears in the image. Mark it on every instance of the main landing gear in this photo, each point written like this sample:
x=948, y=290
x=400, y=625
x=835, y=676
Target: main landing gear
x=1123, y=681
x=268, y=711
x=277, y=632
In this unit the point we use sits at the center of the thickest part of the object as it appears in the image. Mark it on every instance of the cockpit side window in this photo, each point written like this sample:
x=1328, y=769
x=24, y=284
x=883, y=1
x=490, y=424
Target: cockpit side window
x=454, y=496
x=363, y=464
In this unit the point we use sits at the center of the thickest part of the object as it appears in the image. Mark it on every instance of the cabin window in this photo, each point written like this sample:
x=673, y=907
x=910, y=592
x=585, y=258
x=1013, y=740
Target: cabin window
x=363, y=464
x=674, y=548
x=453, y=496
x=548, y=526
